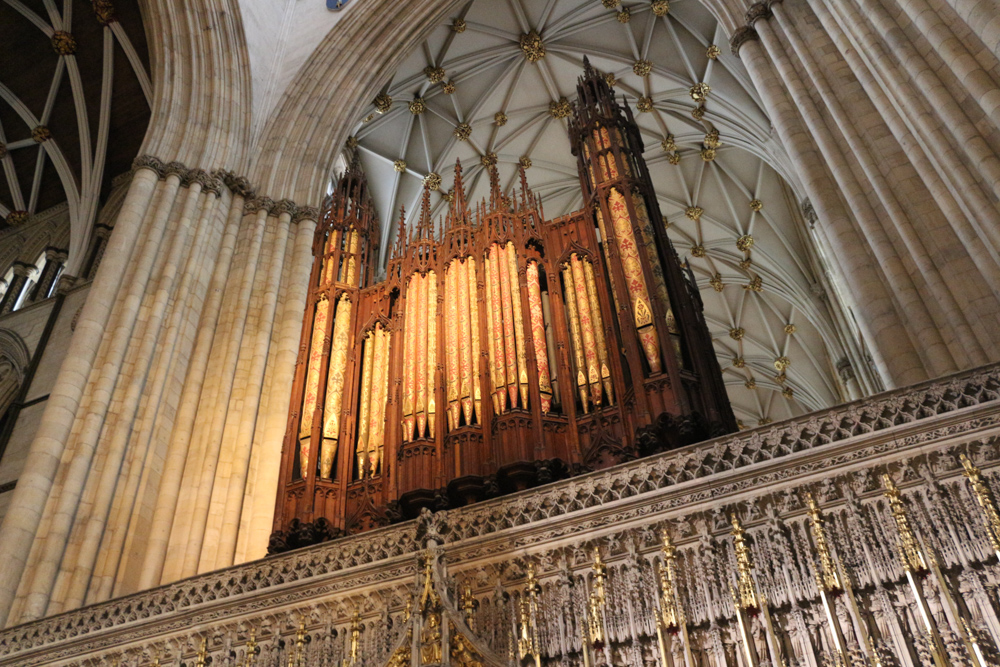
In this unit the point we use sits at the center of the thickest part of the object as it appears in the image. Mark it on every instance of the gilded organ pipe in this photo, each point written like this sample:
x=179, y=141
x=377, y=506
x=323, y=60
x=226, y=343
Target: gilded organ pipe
x=335, y=386
x=598, y=321
x=474, y=352
x=587, y=330
x=431, y=366
x=330, y=266
x=420, y=362
x=538, y=335
x=464, y=342
x=574, y=327
x=490, y=342
x=451, y=329
x=507, y=310
x=518, y=324
x=364, y=416
x=311, y=393
x=420, y=369
x=497, y=330
x=628, y=251
x=409, y=356
x=380, y=393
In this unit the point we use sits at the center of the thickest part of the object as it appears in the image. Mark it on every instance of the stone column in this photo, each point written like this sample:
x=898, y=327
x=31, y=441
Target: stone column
x=22, y=271
x=225, y=547
x=51, y=550
x=944, y=291
x=189, y=523
x=54, y=260
x=194, y=228
x=261, y=514
x=917, y=91
x=35, y=483
x=99, y=243
x=184, y=424
x=878, y=317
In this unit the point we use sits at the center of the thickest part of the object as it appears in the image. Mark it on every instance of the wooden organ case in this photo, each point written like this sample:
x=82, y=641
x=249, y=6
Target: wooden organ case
x=501, y=352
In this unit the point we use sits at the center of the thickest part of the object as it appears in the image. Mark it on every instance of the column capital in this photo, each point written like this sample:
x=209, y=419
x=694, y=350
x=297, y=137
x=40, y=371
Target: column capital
x=758, y=11
x=148, y=162
x=306, y=213
x=741, y=36
x=285, y=206
x=54, y=254
x=23, y=269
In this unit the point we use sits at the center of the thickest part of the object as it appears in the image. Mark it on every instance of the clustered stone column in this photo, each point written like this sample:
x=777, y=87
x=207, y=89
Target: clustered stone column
x=150, y=447
x=22, y=272
x=904, y=179
x=55, y=258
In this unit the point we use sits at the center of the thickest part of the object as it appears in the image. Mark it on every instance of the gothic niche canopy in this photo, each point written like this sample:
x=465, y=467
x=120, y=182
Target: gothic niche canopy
x=506, y=351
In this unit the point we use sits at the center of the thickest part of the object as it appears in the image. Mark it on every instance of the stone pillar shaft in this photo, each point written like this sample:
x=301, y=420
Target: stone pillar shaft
x=35, y=483
x=895, y=353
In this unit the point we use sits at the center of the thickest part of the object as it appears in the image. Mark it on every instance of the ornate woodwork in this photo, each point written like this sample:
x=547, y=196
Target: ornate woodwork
x=500, y=350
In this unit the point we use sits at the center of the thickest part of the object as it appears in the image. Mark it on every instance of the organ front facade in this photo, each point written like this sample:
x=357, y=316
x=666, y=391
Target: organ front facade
x=499, y=350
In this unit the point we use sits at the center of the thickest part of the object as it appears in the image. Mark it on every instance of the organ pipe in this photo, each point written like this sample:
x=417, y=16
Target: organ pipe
x=364, y=416
x=474, y=352
x=335, y=387
x=638, y=293
x=577, y=339
x=602, y=348
x=312, y=382
x=538, y=335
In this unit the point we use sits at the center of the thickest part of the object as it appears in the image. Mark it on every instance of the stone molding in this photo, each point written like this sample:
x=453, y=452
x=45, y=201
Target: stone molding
x=214, y=182
x=954, y=414
x=741, y=36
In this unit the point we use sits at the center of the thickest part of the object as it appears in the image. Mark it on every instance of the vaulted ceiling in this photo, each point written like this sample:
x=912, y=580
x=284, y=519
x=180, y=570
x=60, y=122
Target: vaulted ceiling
x=766, y=303
x=74, y=103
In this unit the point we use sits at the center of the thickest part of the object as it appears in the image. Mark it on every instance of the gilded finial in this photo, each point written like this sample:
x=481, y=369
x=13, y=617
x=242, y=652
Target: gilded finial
x=469, y=605
x=909, y=550
x=671, y=613
x=202, y=654
x=985, y=499
x=597, y=600
x=355, y=635
x=826, y=577
x=747, y=594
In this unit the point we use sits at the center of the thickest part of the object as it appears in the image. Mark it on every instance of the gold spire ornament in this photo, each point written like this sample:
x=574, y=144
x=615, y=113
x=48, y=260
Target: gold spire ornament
x=355, y=638
x=671, y=619
x=748, y=599
x=297, y=654
x=469, y=606
x=250, y=659
x=827, y=578
x=985, y=499
x=528, y=644
x=909, y=550
x=202, y=659
x=749, y=602
x=914, y=565
x=597, y=602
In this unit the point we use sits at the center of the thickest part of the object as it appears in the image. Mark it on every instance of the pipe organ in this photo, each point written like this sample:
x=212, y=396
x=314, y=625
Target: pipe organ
x=583, y=334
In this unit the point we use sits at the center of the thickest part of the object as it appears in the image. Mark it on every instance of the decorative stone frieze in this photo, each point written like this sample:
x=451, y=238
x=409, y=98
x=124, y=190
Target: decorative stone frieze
x=766, y=478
